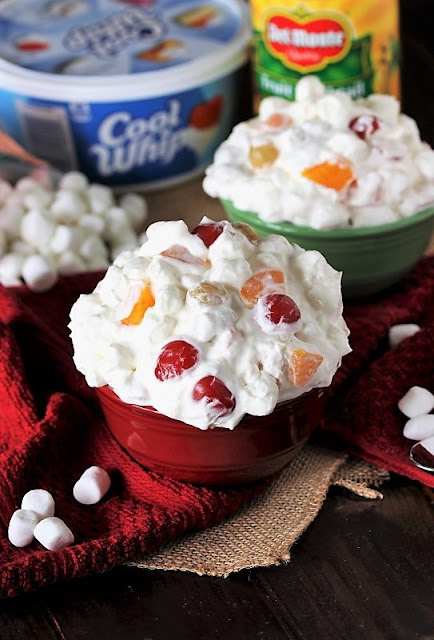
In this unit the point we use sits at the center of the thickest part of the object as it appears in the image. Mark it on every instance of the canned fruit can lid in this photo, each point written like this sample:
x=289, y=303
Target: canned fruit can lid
x=93, y=40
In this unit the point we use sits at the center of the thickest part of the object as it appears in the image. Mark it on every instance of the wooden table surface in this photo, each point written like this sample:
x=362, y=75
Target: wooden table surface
x=362, y=570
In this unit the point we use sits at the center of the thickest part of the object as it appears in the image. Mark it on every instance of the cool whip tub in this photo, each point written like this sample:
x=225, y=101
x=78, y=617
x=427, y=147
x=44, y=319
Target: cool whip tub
x=211, y=325
x=325, y=161
x=131, y=93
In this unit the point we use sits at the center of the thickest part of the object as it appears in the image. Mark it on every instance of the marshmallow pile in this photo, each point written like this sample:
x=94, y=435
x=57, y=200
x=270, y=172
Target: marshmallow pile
x=325, y=161
x=36, y=517
x=417, y=405
x=47, y=232
x=211, y=325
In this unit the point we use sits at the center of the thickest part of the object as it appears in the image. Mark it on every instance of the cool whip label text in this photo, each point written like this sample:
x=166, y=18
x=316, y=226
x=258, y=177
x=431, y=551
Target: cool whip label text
x=125, y=142
x=108, y=37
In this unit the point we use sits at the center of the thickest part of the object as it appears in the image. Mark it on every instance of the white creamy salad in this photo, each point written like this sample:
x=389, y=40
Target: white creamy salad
x=325, y=161
x=210, y=325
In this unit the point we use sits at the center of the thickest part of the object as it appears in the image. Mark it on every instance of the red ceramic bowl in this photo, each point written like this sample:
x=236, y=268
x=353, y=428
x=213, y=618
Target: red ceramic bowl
x=256, y=448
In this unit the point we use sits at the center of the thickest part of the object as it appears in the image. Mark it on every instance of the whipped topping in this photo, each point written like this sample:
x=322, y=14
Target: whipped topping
x=325, y=161
x=210, y=325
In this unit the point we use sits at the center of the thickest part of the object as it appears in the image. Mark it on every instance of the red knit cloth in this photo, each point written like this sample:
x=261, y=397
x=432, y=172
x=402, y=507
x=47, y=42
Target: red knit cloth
x=363, y=411
x=51, y=430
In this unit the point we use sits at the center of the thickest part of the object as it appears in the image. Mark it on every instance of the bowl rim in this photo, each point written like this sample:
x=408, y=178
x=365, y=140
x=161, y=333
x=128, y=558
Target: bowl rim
x=248, y=420
x=338, y=233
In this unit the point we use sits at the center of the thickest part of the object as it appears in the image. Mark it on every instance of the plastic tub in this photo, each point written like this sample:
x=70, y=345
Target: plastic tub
x=371, y=258
x=255, y=449
x=134, y=94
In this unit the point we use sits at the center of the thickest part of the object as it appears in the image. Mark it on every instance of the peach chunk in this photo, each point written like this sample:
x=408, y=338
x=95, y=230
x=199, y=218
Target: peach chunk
x=277, y=120
x=331, y=175
x=263, y=156
x=260, y=283
x=302, y=366
x=145, y=301
x=178, y=252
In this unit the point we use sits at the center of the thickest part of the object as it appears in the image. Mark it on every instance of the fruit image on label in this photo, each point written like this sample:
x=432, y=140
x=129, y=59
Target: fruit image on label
x=162, y=52
x=31, y=44
x=351, y=46
x=207, y=114
x=198, y=17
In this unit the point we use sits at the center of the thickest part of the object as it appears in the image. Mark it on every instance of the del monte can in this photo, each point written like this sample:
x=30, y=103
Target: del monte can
x=351, y=46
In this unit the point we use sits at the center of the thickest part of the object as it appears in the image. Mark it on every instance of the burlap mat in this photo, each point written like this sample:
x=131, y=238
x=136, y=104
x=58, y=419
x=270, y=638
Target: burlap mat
x=262, y=534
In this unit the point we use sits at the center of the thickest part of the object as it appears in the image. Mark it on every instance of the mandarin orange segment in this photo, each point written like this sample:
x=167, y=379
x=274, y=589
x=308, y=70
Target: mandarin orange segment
x=145, y=301
x=260, y=283
x=277, y=120
x=263, y=155
x=178, y=252
x=331, y=175
x=302, y=365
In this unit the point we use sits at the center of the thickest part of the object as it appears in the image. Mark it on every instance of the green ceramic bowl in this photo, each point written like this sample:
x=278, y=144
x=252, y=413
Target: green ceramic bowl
x=371, y=258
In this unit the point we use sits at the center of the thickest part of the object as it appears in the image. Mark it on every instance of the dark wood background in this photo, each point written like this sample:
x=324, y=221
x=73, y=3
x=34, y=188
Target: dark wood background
x=362, y=570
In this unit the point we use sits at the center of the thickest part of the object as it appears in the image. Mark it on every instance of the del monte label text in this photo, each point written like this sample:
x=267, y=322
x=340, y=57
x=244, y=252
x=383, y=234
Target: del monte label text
x=308, y=43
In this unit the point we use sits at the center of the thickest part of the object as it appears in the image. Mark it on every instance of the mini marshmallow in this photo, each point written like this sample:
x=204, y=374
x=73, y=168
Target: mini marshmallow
x=117, y=224
x=25, y=185
x=100, y=198
x=127, y=242
x=70, y=262
x=38, y=274
x=97, y=263
x=93, y=246
x=136, y=209
x=420, y=427
x=53, y=534
x=21, y=527
x=68, y=206
x=36, y=229
x=92, y=223
x=21, y=248
x=38, y=199
x=309, y=88
x=39, y=501
x=11, y=215
x=416, y=402
x=5, y=190
x=62, y=240
x=91, y=486
x=400, y=332
x=10, y=268
x=74, y=181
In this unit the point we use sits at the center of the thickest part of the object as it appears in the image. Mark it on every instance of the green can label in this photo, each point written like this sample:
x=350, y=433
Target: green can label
x=349, y=47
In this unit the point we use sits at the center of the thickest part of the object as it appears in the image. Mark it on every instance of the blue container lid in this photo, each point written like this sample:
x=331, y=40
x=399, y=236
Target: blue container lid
x=118, y=37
